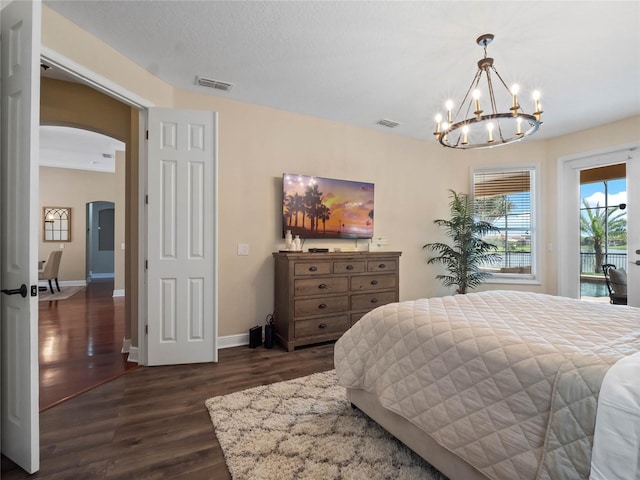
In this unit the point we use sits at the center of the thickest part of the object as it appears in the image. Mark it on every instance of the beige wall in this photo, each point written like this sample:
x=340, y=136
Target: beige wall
x=412, y=178
x=65, y=187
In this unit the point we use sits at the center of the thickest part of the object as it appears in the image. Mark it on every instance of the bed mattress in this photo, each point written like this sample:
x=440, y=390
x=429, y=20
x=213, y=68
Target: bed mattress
x=508, y=381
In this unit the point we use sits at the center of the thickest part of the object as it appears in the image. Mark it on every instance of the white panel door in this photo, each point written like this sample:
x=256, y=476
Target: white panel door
x=181, y=250
x=569, y=225
x=633, y=228
x=20, y=212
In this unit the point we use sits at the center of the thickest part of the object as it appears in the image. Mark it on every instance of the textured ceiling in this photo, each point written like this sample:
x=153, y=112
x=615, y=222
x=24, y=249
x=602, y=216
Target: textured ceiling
x=360, y=61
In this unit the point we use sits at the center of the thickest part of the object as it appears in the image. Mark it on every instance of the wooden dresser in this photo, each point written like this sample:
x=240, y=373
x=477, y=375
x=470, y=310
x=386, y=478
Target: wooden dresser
x=318, y=296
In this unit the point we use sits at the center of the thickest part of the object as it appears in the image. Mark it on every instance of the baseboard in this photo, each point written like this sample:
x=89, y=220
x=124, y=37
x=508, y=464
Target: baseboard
x=65, y=283
x=118, y=293
x=102, y=275
x=229, y=341
x=126, y=345
x=133, y=355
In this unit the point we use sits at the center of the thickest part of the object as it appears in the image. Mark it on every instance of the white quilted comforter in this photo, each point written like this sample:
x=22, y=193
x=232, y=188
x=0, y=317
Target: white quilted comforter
x=506, y=380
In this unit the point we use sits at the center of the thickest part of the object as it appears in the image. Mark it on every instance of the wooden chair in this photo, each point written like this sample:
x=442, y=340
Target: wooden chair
x=616, y=283
x=50, y=269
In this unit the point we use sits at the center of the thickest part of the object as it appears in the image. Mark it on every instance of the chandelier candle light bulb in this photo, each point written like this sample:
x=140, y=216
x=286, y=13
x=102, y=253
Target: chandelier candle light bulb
x=476, y=97
x=515, y=89
x=490, y=130
x=510, y=123
x=438, y=122
x=519, y=123
x=536, y=100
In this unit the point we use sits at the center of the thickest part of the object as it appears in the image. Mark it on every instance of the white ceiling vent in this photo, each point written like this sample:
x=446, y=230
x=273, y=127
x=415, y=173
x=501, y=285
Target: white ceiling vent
x=387, y=123
x=211, y=83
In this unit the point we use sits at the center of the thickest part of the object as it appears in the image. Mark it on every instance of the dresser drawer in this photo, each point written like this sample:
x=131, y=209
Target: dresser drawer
x=381, y=266
x=321, y=326
x=318, y=286
x=369, y=301
x=372, y=282
x=323, y=305
x=348, y=267
x=315, y=268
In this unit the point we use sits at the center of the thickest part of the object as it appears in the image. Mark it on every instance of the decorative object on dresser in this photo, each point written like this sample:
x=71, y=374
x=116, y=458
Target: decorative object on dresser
x=319, y=296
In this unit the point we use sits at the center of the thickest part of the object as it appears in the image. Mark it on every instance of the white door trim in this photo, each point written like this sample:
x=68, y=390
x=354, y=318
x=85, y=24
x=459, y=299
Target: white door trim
x=93, y=79
x=112, y=89
x=568, y=228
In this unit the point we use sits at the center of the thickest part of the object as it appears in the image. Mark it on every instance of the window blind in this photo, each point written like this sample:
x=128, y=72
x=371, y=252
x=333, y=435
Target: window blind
x=504, y=199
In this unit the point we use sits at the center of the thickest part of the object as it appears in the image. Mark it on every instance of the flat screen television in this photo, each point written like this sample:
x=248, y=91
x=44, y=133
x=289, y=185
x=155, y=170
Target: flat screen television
x=317, y=207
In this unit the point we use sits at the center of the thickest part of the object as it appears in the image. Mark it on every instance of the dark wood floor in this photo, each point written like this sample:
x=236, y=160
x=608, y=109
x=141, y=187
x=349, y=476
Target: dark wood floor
x=80, y=341
x=152, y=423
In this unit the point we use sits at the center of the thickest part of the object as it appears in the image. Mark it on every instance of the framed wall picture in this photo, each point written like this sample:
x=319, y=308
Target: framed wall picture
x=56, y=224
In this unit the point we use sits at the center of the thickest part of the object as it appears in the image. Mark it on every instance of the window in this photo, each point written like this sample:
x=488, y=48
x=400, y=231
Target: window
x=506, y=199
x=603, y=226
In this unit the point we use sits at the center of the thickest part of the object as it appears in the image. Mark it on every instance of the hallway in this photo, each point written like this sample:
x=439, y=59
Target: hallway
x=80, y=340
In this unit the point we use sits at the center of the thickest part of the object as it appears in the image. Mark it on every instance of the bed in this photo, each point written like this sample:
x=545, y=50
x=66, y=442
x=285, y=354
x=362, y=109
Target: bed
x=501, y=385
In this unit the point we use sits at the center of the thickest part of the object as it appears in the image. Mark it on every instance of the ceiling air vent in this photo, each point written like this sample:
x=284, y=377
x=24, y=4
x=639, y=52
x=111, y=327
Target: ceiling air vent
x=211, y=83
x=387, y=123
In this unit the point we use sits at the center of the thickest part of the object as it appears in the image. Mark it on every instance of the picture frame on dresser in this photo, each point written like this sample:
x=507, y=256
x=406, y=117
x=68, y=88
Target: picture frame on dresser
x=319, y=296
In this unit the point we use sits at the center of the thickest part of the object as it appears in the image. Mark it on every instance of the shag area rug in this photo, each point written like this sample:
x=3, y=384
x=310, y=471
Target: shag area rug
x=306, y=429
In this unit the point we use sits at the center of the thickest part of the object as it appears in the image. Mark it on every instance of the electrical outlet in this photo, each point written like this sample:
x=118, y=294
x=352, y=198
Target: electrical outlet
x=243, y=249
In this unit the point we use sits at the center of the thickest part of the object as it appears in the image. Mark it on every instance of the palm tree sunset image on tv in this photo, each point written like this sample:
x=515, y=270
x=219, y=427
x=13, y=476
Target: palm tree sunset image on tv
x=316, y=207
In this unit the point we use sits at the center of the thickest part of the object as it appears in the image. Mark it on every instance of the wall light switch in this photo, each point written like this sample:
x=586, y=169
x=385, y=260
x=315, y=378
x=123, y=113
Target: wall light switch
x=122, y=246
x=243, y=249
x=62, y=246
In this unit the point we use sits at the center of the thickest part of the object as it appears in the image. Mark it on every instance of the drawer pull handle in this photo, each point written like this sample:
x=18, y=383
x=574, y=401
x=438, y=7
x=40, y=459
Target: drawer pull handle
x=322, y=305
x=374, y=282
x=322, y=325
x=349, y=267
x=382, y=265
x=374, y=300
x=313, y=269
x=322, y=286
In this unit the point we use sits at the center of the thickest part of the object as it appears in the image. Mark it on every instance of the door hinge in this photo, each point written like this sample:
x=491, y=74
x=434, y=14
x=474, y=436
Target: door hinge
x=146, y=264
x=146, y=329
x=146, y=199
x=147, y=134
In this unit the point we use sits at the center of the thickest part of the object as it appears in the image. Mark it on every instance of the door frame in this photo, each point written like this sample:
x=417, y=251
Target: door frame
x=107, y=87
x=568, y=228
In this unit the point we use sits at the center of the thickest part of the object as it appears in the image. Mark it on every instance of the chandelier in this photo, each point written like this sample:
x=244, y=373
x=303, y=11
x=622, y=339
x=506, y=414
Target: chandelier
x=472, y=127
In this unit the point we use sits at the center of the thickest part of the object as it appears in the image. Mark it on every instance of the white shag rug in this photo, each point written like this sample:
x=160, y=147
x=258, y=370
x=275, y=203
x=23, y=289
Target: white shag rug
x=306, y=429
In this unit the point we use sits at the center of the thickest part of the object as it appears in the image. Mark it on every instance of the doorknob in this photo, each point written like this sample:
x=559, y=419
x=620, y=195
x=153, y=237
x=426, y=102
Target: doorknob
x=22, y=291
x=637, y=262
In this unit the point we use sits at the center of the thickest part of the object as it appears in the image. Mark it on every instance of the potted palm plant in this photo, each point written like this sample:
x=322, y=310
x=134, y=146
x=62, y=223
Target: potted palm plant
x=469, y=251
